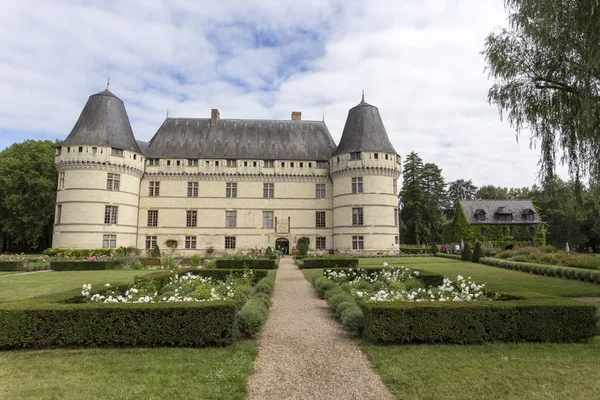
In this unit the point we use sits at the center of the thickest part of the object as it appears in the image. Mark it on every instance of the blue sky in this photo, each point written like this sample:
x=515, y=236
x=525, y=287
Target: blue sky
x=418, y=61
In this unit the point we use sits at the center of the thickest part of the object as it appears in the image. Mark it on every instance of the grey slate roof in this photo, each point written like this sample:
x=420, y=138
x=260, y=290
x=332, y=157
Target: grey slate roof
x=364, y=131
x=242, y=139
x=103, y=122
x=143, y=146
x=491, y=207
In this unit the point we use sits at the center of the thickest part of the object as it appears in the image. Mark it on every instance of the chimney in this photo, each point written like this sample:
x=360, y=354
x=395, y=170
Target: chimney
x=214, y=117
x=296, y=115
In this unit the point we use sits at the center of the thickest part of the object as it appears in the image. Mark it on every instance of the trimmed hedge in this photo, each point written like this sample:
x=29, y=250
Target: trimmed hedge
x=11, y=265
x=253, y=315
x=450, y=256
x=101, y=325
x=428, y=278
x=416, y=250
x=533, y=320
x=580, y=274
x=252, y=263
x=82, y=265
x=329, y=262
x=150, y=261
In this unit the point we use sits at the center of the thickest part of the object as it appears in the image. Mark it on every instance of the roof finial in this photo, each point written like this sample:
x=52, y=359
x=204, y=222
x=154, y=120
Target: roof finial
x=108, y=82
x=167, y=113
x=323, y=115
x=363, y=94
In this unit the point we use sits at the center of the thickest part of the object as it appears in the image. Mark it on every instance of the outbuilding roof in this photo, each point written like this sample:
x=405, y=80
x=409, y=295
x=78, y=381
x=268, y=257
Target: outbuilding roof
x=493, y=207
x=242, y=139
x=103, y=122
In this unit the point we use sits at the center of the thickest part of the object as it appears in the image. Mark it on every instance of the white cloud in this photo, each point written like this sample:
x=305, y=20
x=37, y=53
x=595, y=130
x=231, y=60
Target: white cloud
x=418, y=61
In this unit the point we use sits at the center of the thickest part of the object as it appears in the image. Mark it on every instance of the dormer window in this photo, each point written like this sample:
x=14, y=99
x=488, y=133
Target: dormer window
x=479, y=215
x=116, y=152
x=528, y=215
x=505, y=217
x=355, y=155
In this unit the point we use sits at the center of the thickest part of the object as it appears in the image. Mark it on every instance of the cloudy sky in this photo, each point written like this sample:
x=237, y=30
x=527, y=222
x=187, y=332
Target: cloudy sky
x=418, y=61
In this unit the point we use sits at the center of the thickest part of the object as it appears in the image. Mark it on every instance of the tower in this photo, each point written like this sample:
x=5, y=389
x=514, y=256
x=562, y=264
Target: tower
x=100, y=166
x=365, y=169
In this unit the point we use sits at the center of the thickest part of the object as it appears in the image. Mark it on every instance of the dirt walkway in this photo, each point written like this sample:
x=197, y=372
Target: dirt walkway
x=304, y=353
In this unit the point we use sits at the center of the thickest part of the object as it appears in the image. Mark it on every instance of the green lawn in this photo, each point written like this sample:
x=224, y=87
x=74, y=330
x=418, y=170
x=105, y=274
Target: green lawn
x=496, y=279
x=211, y=373
x=25, y=286
x=531, y=371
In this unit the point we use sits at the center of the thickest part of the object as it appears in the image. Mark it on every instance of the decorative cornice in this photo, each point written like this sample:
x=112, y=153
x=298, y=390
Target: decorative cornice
x=350, y=171
x=236, y=177
x=100, y=166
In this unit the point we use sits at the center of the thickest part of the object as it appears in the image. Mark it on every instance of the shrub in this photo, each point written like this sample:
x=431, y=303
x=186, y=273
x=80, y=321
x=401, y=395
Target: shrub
x=477, y=253
x=265, y=285
x=353, y=319
x=330, y=262
x=11, y=265
x=338, y=298
x=246, y=262
x=209, y=251
x=269, y=251
x=113, y=325
x=545, y=320
x=466, y=253
x=264, y=298
x=252, y=317
x=155, y=253
x=195, y=260
x=82, y=265
x=434, y=249
x=322, y=285
x=303, y=244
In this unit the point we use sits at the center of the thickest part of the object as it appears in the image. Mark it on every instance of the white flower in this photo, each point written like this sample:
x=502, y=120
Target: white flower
x=107, y=285
x=385, y=264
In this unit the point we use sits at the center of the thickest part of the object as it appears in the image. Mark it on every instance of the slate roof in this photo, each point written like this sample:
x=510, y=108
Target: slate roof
x=103, y=122
x=364, y=131
x=492, y=207
x=242, y=139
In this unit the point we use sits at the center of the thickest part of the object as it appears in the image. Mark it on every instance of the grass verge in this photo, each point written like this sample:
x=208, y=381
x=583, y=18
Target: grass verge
x=530, y=371
x=17, y=287
x=208, y=373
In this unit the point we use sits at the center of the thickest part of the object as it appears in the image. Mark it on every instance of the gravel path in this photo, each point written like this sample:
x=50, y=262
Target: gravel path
x=304, y=353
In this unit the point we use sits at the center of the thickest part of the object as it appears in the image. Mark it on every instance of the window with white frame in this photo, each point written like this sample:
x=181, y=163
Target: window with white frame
x=231, y=189
x=355, y=156
x=58, y=213
x=151, y=242
x=230, y=242
x=109, y=241
x=190, y=242
x=230, y=219
x=61, y=181
x=192, y=189
x=191, y=218
x=358, y=243
x=357, y=185
x=268, y=190
x=320, y=189
x=116, y=152
x=395, y=217
x=320, y=219
x=192, y=162
x=232, y=163
x=321, y=243
x=154, y=189
x=152, y=217
x=268, y=163
x=110, y=214
x=113, y=181
x=268, y=219
x=357, y=216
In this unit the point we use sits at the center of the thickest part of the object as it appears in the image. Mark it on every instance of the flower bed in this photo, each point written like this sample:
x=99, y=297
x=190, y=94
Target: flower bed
x=396, y=308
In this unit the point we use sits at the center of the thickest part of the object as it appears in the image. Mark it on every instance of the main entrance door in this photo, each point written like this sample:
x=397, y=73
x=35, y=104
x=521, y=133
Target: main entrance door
x=283, y=245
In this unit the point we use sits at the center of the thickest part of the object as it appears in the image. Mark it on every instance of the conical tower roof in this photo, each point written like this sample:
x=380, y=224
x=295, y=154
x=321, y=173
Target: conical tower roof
x=364, y=131
x=103, y=122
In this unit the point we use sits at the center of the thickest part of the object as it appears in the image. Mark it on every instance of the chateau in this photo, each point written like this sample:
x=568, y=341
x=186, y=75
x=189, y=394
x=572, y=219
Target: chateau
x=233, y=184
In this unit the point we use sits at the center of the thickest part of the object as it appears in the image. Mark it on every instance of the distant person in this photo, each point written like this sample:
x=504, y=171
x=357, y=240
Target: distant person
x=457, y=249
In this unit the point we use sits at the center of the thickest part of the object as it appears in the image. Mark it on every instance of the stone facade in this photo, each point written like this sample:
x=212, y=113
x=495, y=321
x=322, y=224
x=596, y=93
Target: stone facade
x=114, y=191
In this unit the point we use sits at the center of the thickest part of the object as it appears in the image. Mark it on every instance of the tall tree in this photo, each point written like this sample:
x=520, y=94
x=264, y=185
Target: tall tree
x=491, y=192
x=28, y=180
x=461, y=189
x=412, y=199
x=546, y=68
x=434, y=196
